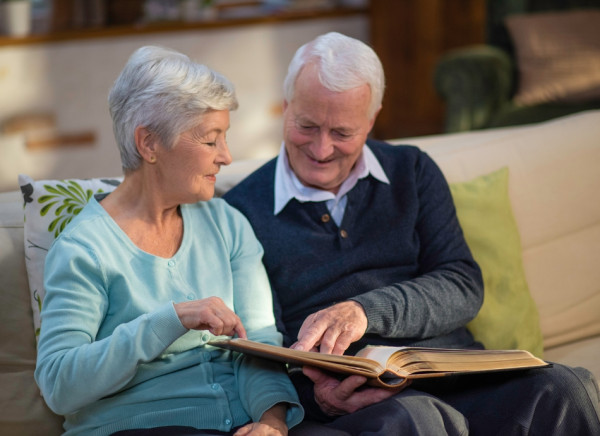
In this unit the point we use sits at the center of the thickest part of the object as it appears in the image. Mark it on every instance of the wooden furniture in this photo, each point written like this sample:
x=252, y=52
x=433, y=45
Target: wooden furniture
x=409, y=36
x=129, y=27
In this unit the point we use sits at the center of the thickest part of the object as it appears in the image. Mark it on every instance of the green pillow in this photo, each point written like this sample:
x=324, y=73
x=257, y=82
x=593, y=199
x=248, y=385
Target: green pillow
x=508, y=318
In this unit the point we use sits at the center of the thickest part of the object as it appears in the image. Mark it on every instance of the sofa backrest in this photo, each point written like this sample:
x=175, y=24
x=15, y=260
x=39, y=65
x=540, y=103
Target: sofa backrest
x=23, y=410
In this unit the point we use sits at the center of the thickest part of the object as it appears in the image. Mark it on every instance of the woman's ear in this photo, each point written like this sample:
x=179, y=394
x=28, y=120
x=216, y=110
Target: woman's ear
x=145, y=143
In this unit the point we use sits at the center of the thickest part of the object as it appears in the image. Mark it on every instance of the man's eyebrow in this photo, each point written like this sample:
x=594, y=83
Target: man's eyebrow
x=344, y=129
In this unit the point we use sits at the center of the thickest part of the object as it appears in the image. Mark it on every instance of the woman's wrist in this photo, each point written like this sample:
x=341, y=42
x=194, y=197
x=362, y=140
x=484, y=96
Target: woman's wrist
x=275, y=418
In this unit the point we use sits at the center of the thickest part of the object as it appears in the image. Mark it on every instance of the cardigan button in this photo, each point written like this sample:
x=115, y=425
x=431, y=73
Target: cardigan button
x=343, y=233
x=325, y=218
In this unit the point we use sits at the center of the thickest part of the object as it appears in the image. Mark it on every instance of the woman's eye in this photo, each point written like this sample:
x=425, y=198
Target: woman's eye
x=211, y=144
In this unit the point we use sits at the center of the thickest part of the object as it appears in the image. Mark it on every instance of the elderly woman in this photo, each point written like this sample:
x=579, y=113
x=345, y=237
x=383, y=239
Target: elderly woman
x=143, y=278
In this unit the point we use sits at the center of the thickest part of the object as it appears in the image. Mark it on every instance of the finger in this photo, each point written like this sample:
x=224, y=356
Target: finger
x=329, y=341
x=293, y=347
x=343, y=341
x=243, y=431
x=321, y=378
x=222, y=323
x=240, y=331
x=231, y=325
x=316, y=375
x=222, y=320
x=349, y=385
x=338, y=338
x=310, y=333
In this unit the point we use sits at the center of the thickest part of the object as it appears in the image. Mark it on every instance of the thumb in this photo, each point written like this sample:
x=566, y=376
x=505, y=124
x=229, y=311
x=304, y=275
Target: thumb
x=347, y=386
x=317, y=376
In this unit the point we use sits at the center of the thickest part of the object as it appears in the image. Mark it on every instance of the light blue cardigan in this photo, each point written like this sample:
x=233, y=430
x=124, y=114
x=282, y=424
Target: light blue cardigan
x=112, y=352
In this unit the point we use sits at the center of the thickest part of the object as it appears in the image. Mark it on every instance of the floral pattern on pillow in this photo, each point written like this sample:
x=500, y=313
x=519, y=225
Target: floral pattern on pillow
x=49, y=206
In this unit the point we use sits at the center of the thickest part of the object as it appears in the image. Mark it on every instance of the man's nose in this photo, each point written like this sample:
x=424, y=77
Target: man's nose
x=322, y=147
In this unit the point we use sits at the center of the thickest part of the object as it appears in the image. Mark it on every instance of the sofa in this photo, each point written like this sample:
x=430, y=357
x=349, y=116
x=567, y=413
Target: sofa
x=554, y=196
x=540, y=60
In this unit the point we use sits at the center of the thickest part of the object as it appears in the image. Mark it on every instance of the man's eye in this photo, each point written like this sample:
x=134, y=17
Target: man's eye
x=341, y=134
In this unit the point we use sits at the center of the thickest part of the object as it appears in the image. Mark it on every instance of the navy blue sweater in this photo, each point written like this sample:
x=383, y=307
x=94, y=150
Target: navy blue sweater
x=399, y=252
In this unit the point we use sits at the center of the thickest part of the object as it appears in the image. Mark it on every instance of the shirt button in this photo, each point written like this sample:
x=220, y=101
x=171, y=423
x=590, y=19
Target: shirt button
x=325, y=218
x=343, y=234
x=228, y=421
x=171, y=263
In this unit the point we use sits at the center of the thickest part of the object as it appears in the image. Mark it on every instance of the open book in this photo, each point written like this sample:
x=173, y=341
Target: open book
x=394, y=366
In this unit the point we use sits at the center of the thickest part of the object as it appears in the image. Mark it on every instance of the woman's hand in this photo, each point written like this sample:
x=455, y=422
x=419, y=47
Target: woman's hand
x=272, y=423
x=210, y=314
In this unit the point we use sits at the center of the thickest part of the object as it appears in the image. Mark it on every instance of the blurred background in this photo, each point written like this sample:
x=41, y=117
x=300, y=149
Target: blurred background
x=59, y=58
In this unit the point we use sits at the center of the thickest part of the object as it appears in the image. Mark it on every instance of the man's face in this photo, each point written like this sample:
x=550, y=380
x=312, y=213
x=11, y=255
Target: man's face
x=324, y=131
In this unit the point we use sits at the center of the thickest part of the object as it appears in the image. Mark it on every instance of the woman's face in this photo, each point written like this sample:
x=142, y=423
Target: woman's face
x=191, y=166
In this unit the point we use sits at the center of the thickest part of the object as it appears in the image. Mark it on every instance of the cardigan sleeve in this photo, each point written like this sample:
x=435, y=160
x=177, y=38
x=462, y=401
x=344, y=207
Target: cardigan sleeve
x=73, y=368
x=447, y=292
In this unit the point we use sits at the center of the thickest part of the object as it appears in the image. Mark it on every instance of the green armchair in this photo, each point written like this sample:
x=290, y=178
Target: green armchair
x=479, y=83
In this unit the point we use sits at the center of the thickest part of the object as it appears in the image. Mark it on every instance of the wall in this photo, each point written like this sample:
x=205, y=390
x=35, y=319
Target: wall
x=72, y=79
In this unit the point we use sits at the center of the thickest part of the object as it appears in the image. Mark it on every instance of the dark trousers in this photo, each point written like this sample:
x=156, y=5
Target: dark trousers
x=557, y=401
x=172, y=431
x=541, y=402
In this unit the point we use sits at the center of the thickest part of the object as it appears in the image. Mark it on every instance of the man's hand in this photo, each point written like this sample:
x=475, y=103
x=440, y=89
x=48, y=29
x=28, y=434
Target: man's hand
x=333, y=329
x=336, y=397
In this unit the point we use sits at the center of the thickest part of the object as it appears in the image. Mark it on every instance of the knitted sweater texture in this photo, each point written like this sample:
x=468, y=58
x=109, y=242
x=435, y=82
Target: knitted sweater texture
x=399, y=252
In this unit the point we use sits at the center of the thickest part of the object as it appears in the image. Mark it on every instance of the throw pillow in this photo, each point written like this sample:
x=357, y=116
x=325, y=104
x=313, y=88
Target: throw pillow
x=49, y=206
x=508, y=318
x=558, y=56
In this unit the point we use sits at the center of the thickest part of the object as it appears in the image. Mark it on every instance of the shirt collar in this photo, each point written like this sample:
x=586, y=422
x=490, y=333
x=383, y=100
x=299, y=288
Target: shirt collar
x=288, y=186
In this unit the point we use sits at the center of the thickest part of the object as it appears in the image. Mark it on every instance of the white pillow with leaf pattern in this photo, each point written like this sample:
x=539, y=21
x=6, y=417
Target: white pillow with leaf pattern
x=49, y=205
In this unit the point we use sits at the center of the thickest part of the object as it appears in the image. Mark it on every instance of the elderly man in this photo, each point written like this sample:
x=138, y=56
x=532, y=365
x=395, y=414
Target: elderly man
x=362, y=246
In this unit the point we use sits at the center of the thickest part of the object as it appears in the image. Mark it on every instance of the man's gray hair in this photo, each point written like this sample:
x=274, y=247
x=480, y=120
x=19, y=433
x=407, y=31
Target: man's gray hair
x=164, y=91
x=343, y=63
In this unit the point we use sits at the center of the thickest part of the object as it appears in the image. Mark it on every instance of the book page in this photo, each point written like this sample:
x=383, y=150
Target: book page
x=415, y=360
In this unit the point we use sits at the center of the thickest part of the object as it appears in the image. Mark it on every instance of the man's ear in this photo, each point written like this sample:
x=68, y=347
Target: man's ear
x=372, y=122
x=145, y=143
x=284, y=105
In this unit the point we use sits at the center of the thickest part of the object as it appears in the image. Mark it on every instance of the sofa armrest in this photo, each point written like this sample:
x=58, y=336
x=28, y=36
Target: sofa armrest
x=475, y=83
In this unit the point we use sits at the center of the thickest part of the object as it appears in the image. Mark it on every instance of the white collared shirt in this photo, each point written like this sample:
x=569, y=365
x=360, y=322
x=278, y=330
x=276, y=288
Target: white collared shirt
x=288, y=186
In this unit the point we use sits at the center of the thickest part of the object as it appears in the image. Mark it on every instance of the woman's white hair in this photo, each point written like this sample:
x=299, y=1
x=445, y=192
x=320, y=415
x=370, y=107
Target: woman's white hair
x=164, y=91
x=343, y=63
